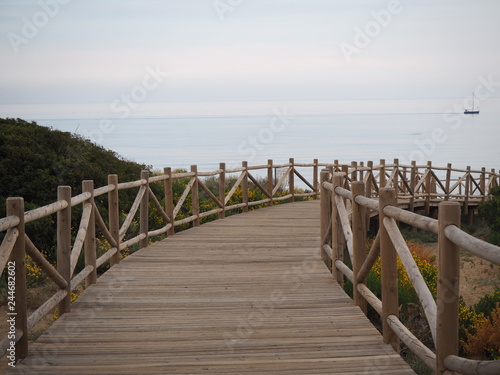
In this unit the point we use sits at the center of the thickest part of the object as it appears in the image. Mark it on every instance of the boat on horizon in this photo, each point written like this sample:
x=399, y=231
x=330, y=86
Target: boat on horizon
x=472, y=111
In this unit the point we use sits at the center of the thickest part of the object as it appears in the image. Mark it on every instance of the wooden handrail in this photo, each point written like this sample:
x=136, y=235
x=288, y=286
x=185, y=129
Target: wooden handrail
x=414, y=183
x=443, y=322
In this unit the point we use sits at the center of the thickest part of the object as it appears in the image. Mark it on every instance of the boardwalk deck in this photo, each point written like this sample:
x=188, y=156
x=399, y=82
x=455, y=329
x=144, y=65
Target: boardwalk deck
x=247, y=294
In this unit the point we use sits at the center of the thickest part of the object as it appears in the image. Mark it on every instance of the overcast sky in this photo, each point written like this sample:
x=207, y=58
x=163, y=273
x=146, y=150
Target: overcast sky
x=93, y=51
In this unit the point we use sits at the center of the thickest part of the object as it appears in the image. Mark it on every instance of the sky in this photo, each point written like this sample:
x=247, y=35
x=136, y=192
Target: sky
x=95, y=51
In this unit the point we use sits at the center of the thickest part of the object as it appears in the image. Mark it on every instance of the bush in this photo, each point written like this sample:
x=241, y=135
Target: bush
x=494, y=238
x=475, y=326
x=490, y=210
x=487, y=304
x=484, y=343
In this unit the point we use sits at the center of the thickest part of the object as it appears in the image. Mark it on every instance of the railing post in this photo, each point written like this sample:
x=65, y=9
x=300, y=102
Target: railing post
x=354, y=173
x=428, y=188
x=381, y=177
x=144, y=211
x=358, y=239
x=482, y=184
x=291, y=178
x=413, y=184
x=270, y=185
x=361, y=172
x=389, y=270
x=244, y=186
x=325, y=212
x=90, y=242
x=15, y=207
x=493, y=180
x=195, y=199
x=222, y=189
x=169, y=198
x=467, y=191
x=337, y=232
x=448, y=182
x=448, y=286
x=395, y=180
x=64, y=245
x=345, y=179
x=114, y=216
x=315, y=178
x=368, y=191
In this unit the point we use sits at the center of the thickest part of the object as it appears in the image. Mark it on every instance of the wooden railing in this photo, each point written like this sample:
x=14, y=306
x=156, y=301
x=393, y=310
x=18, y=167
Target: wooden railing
x=416, y=186
x=345, y=208
x=16, y=244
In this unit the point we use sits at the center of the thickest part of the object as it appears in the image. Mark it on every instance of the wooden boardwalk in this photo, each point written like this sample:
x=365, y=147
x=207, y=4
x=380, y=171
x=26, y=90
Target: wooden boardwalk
x=248, y=294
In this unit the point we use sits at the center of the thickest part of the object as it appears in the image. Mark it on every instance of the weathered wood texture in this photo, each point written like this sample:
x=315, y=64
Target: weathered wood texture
x=249, y=294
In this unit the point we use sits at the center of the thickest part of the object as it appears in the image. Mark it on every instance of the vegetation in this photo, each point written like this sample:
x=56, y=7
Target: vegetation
x=489, y=211
x=479, y=324
x=36, y=160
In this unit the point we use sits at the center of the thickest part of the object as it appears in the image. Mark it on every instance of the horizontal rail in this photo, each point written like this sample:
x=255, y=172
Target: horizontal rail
x=256, y=203
x=283, y=198
x=80, y=198
x=211, y=212
x=472, y=244
x=103, y=190
x=213, y=173
x=159, y=178
x=41, y=212
x=472, y=367
x=416, y=220
x=183, y=175
x=107, y=255
x=8, y=222
x=344, y=193
x=160, y=231
x=342, y=267
x=131, y=185
x=233, y=207
x=186, y=220
x=416, y=346
x=371, y=298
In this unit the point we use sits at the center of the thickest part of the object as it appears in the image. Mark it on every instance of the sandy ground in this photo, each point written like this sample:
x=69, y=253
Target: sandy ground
x=477, y=276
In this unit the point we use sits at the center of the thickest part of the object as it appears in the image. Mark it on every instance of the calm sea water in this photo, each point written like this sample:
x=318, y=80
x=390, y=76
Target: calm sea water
x=181, y=134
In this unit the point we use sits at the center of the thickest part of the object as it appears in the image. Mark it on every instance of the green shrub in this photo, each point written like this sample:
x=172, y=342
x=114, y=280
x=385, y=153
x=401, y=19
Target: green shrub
x=490, y=210
x=487, y=303
x=494, y=238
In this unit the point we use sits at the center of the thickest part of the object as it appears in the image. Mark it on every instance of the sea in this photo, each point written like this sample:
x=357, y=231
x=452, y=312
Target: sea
x=179, y=135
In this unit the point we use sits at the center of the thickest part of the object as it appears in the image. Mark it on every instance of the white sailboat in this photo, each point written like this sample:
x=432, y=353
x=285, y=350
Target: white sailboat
x=472, y=111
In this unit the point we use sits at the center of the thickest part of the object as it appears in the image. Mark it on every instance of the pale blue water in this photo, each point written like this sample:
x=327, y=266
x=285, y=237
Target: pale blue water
x=181, y=134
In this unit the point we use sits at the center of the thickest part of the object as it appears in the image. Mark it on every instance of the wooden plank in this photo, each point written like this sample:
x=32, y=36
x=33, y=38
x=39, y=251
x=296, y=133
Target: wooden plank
x=245, y=295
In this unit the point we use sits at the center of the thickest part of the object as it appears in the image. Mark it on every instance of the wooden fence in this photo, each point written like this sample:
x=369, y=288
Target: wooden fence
x=415, y=186
x=345, y=207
